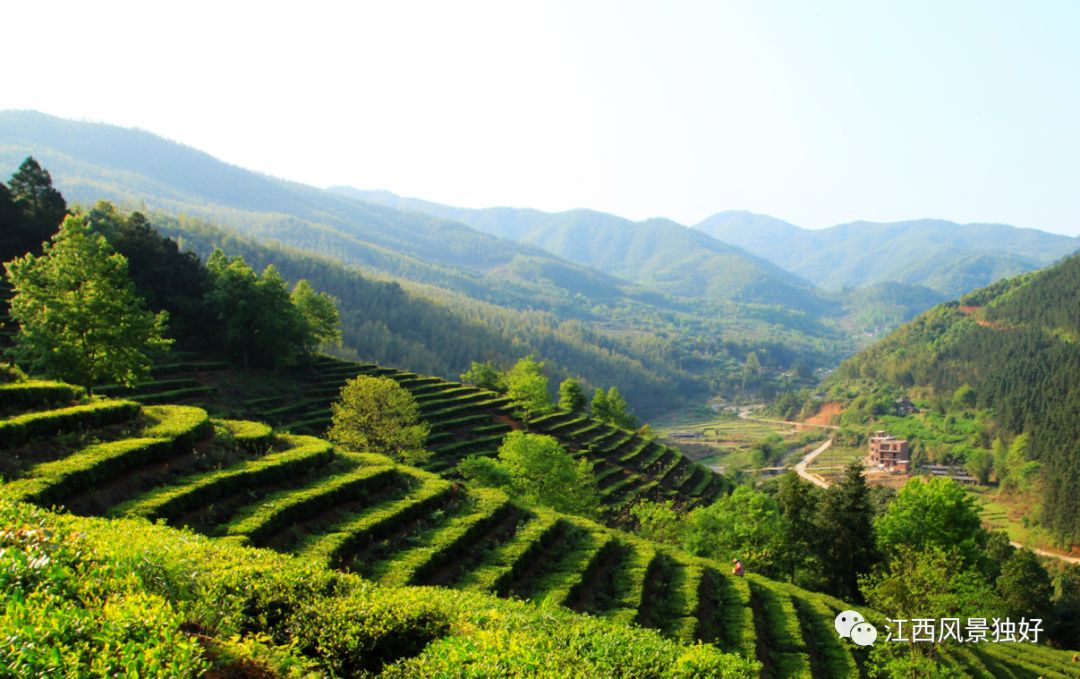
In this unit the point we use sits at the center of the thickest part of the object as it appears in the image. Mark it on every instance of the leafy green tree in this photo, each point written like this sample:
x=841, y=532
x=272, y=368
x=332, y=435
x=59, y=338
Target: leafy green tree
x=924, y=583
x=167, y=278
x=618, y=411
x=378, y=415
x=486, y=376
x=261, y=325
x=527, y=386
x=744, y=525
x=321, y=318
x=79, y=315
x=845, y=533
x=572, y=396
x=484, y=471
x=1024, y=586
x=1000, y=452
x=964, y=397
x=541, y=471
x=1066, y=600
x=599, y=407
x=980, y=463
x=939, y=513
x=659, y=521
x=797, y=503
x=40, y=205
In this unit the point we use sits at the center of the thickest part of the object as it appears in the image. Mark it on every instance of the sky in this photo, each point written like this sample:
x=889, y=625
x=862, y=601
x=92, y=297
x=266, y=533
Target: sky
x=818, y=113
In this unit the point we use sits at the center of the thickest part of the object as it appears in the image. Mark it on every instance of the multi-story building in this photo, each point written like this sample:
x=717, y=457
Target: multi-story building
x=889, y=452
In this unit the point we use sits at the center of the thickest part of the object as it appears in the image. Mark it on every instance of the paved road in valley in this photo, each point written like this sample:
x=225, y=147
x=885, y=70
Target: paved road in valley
x=800, y=467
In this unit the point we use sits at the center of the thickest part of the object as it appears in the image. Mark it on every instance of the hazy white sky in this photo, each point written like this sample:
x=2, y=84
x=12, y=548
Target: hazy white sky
x=816, y=112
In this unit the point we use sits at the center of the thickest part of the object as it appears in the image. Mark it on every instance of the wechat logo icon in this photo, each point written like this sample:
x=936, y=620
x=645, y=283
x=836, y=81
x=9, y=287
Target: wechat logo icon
x=851, y=625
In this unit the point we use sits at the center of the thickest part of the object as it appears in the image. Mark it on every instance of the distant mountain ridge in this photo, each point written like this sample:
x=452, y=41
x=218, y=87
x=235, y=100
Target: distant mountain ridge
x=657, y=253
x=947, y=257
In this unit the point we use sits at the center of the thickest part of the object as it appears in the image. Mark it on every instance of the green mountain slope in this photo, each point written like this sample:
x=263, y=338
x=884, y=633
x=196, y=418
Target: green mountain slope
x=372, y=521
x=950, y=258
x=657, y=252
x=1015, y=344
x=93, y=161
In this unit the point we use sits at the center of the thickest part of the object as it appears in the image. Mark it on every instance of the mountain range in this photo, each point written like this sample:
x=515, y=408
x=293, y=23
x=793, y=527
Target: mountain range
x=679, y=305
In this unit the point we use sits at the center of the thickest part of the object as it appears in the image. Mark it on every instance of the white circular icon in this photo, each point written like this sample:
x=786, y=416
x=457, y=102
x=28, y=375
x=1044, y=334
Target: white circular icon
x=864, y=634
x=845, y=621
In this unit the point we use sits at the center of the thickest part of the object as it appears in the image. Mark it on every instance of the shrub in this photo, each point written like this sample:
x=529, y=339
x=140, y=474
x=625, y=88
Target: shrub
x=15, y=431
x=37, y=394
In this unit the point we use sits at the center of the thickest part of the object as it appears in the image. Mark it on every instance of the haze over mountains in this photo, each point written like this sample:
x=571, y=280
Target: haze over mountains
x=946, y=257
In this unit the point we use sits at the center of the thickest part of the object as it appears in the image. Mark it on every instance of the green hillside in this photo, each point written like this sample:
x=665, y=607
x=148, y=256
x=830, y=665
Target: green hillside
x=1013, y=345
x=950, y=258
x=215, y=601
x=465, y=420
x=495, y=298
x=657, y=253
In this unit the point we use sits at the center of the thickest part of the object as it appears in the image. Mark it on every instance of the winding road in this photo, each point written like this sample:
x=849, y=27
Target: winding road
x=800, y=466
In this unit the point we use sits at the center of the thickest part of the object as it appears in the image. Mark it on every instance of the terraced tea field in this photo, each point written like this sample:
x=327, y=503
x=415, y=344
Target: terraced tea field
x=242, y=482
x=465, y=420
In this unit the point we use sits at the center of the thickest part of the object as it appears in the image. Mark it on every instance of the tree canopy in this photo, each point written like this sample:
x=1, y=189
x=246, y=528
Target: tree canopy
x=537, y=469
x=527, y=386
x=80, y=318
x=378, y=415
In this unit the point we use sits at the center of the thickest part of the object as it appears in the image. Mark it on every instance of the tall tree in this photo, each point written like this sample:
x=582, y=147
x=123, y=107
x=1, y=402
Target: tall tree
x=527, y=386
x=541, y=471
x=798, y=504
x=42, y=207
x=938, y=512
x=845, y=533
x=1024, y=586
x=167, y=278
x=486, y=376
x=572, y=396
x=321, y=318
x=599, y=406
x=79, y=315
x=260, y=323
x=618, y=412
x=378, y=415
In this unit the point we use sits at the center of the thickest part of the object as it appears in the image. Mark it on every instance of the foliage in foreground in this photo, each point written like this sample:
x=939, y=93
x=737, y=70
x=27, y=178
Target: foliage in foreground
x=100, y=597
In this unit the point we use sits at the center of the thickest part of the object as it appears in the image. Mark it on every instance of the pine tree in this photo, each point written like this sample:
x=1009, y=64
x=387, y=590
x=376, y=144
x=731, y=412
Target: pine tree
x=845, y=534
x=41, y=206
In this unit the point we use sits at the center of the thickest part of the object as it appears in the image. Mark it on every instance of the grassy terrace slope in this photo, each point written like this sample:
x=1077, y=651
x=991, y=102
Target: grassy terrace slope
x=365, y=515
x=465, y=420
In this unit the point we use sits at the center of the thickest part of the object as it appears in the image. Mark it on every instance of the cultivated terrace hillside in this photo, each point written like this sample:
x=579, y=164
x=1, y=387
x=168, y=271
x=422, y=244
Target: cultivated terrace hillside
x=121, y=593
x=465, y=420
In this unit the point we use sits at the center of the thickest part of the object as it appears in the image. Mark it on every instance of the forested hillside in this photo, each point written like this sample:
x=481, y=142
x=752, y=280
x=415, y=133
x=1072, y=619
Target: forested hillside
x=659, y=350
x=1010, y=348
x=950, y=258
x=656, y=252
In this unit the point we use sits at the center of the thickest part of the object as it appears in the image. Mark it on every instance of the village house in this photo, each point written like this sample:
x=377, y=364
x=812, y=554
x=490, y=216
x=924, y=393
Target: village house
x=890, y=453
